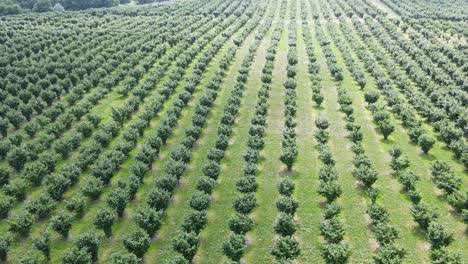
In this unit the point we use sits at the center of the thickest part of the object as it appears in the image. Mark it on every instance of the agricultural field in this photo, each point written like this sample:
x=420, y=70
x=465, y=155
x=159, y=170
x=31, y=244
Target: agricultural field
x=240, y=131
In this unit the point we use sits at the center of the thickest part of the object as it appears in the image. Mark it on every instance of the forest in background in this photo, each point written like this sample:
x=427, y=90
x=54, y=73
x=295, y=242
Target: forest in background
x=12, y=7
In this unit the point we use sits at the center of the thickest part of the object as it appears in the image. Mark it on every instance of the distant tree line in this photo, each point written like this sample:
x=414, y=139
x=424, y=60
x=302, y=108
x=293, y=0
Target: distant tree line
x=11, y=7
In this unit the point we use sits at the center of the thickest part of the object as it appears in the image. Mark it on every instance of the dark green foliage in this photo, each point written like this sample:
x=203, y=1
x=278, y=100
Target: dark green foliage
x=287, y=205
x=137, y=242
x=194, y=221
x=42, y=244
x=62, y=223
x=186, y=244
x=234, y=247
x=332, y=230
x=245, y=204
x=93, y=188
x=285, y=225
x=5, y=243
x=240, y=224
x=124, y=258
x=104, y=219
x=21, y=223
x=336, y=253
x=148, y=219
x=286, y=248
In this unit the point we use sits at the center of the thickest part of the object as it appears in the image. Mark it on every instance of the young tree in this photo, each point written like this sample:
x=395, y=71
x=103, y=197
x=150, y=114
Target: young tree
x=186, y=244
x=124, y=258
x=386, y=128
x=158, y=199
x=137, y=242
x=90, y=242
x=62, y=223
x=76, y=204
x=57, y=185
x=148, y=219
x=200, y=201
x=426, y=142
x=318, y=98
x=17, y=157
x=104, y=220
x=331, y=190
x=118, y=199
x=336, y=253
x=285, y=225
x=93, y=188
x=194, y=221
x=390, y=254
x=240, y=223
x=21, y=223
x=332, y=230
x=286, y=248
x=438, y=235
x=289, y=156
x=4, y=176
x=34, y=172
x=245, y=204
x=287, y=205
x=286, y=187
x=5, y=243
x=234, y=247
x=76, y=255
x=42, y=243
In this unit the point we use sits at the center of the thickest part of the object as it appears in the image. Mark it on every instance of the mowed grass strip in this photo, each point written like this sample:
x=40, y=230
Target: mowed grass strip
x=420, y=165
x=353, y=198
x=309, y=213
x=121, y=227
x=84, y=224
x=225, y=192
x=260, y=239
x=163, y=249
x=397, y=204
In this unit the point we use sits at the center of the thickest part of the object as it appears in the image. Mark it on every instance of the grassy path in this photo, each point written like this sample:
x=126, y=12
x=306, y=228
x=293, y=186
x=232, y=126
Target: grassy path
x=420, y=164
x=85, y=223
x=162, y=248
x=309, y=213
x=225, y=192
x=121, y=227
x=394, y=201
x=264, y=215
x=352, y=198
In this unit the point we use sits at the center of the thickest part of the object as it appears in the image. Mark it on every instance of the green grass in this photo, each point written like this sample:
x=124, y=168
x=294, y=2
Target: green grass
x=260, y=239
x=305, y=171
x=352, y=199
x=394, y=201
x=225, y=192
x=309, y=213
x=83, y=224
x=420, y=164
x=162, y=248
x=120, y=227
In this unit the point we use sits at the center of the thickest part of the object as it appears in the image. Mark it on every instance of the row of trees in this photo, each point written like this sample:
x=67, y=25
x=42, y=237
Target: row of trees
x=331, y=228
x=286, y=248
x=417, y=101
x=149, y=217
x=57, y=184
x=449, y=182
x=434, y=10
x=126, y=190
x=427, y=218
x=58, y=121
x=186, y=243
x=234, y=246
x=13, y=7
